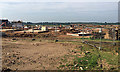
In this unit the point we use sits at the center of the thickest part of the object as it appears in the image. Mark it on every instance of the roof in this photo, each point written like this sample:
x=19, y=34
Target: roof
x=83, y=33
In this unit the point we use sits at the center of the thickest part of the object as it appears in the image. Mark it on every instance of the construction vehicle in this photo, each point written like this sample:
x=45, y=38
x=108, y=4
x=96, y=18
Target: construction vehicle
x=3, y=23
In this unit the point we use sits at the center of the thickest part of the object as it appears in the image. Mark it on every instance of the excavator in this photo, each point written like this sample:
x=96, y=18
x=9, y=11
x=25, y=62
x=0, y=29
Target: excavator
x=3, y=23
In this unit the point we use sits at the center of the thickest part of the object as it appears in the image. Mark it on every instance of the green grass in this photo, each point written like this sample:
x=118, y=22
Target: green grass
x=64, y=60
x=110, y=59
x=62, y=66
x=89, y=61
x=105, y=40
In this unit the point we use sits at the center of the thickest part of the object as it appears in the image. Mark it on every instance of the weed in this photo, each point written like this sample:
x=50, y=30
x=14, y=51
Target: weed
x=62, y=66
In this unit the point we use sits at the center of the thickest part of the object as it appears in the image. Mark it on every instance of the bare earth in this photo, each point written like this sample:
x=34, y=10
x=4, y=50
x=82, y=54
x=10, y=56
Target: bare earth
x=33, y=55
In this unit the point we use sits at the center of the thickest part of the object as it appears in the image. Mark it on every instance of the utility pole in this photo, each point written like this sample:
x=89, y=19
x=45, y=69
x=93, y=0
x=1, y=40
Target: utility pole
x=13, y=33
x=56, y=34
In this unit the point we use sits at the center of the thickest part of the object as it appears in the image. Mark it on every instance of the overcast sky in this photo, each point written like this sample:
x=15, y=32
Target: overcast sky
x=60, y=10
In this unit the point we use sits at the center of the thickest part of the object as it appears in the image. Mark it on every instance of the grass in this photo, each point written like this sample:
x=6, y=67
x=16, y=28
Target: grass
x=86, y=47
x=105, y=40
x=111, y=59
x=14, y=41
x=91, y=60
x=64, y=60
x=62, y=66
x=87, y=62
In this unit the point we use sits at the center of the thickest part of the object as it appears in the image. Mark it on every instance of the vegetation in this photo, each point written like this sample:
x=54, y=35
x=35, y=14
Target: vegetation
x=68, y=23
x=91, y=58
x=87, y=62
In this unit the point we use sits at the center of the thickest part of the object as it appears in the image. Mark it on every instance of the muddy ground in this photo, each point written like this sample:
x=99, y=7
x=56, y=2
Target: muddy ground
x=33, y=55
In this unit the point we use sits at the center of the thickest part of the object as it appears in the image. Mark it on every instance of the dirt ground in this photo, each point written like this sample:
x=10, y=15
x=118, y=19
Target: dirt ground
x=46, y=54
x=33, y=55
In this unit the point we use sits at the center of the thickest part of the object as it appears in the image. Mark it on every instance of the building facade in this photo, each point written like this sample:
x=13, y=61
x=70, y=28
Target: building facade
x=17, y=24
x=44, y=28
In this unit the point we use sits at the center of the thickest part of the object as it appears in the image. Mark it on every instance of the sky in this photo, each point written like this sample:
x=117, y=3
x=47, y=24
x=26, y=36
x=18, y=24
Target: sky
x=60, y=10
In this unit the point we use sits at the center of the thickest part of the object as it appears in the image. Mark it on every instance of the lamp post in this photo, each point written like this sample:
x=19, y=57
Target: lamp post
x=33, y=33
x=94, y=32
x=100, y=31
x=56, y=30
x=113, y=33
x=83, y=34
x=14, y=34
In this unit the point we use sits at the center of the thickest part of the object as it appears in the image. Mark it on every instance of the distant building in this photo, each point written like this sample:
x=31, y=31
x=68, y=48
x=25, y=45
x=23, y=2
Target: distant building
x=26, y=27
x=117, y=34
x=109, y=34
x=39, y=27
x=84, y=33
x=44, y=28
x=17, y=24
x=72, y=34
x=79, y=34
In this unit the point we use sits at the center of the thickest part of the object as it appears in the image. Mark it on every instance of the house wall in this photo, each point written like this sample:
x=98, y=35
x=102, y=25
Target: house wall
x=118, y=34
x=106, y=36
x=72, y=34
x=18, y=25
x=44, y=28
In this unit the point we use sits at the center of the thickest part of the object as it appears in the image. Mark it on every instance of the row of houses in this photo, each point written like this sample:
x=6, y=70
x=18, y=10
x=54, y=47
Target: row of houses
x=112, y=32
x=19, y=25
x=7, y=23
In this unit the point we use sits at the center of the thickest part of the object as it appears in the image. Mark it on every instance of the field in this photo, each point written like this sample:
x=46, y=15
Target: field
x=59, y=53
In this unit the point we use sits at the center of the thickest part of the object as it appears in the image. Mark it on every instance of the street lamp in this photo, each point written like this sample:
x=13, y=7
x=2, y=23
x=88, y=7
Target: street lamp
x=14, y=34
x=100, y=31
x=113, y=33
x=83, y=34
x=33, y=33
